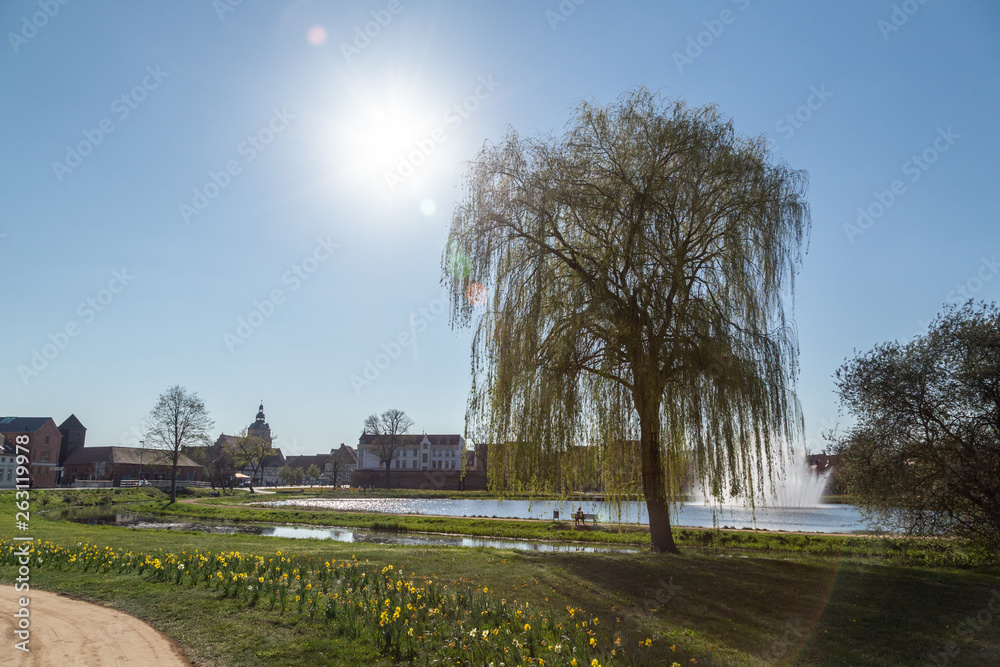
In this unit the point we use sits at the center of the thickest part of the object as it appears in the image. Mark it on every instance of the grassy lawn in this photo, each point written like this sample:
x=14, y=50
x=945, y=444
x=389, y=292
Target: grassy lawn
x=934, y=552
x=717, y=605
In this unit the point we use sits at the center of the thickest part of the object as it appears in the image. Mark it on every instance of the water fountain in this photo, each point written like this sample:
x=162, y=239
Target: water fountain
x=795, y=485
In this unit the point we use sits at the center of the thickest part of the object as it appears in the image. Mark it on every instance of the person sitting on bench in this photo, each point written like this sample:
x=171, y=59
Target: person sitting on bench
x=579, y=517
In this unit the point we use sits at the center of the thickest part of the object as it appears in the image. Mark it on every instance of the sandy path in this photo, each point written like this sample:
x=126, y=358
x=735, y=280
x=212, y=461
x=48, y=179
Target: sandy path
x=70, y=633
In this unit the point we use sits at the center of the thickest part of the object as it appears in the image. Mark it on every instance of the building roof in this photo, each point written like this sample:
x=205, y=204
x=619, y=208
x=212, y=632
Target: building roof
x=22, y=424
x=275, y=460
x=318, y=460
x=345, y=455
x=127, y=455
x=72, y=422
x=409, y=439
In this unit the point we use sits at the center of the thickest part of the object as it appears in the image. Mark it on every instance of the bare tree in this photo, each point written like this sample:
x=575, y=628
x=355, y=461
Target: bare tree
x=637, y=269
x=249, y=452
x=387, y=431
x=178, y=420
x=334, y=466
x=217, y=459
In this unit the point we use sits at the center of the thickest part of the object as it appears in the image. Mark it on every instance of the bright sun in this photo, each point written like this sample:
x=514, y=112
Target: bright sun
x=388, y=144
x=377, y=133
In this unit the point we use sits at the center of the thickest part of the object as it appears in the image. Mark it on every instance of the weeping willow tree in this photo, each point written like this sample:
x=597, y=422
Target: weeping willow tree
x=636, y=271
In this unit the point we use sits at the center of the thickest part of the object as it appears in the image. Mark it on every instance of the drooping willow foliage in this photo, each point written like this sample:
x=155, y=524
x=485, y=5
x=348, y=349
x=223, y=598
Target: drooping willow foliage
x=634, y=336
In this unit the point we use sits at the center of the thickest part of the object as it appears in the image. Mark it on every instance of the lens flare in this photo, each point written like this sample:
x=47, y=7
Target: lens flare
x=476, y=294
x=316, y=35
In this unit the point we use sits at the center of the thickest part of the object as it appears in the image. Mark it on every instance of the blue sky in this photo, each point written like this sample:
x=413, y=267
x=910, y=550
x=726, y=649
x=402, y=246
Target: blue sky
x=195, y=192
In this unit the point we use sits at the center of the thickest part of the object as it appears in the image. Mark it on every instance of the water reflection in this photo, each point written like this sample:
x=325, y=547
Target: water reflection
x=101, y=516
x=819, y=519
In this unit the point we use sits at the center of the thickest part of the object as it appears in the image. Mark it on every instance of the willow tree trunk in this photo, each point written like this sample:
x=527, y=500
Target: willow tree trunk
x=653, y=478
x=387, y=463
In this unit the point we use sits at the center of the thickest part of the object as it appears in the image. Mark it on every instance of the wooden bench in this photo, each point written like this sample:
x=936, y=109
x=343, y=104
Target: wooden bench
x=592, y=518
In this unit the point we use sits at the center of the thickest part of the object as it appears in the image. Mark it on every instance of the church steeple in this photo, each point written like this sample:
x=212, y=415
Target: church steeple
x=260, y=427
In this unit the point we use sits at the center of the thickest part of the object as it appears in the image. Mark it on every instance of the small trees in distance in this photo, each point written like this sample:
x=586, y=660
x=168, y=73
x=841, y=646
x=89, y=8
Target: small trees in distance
x=924, y=454
x=286, y=474
x=177, y=421
x=312, y=473
x=387, y=430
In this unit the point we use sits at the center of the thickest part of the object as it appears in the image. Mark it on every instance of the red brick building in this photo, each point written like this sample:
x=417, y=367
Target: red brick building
x=44, y=446
x=115, y=464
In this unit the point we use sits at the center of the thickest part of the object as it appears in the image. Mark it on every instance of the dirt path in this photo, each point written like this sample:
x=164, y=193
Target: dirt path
x=70, y=633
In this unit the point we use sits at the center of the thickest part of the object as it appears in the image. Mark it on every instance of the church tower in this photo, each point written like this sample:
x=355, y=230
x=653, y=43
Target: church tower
x=260, y=428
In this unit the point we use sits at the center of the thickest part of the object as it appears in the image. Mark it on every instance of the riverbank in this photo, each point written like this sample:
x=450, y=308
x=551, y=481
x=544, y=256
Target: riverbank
x=874, y=549
x=720, y=606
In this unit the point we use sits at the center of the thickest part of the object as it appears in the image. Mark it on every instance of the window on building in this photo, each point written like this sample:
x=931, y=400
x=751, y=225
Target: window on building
x=397, y=463
x=46, y=440
x=425, y=458
x=44, y=456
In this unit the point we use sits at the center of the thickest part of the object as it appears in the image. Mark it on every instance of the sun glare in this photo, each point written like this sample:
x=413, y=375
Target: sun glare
x=374, y=138
x=389, y=140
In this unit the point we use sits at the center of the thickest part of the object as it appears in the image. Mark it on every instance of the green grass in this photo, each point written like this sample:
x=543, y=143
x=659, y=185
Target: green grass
x=770, y=606
x=894, y=551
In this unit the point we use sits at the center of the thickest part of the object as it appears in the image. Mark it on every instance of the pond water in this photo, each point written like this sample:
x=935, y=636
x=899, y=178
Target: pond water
x=819, y=519
x=104, y=516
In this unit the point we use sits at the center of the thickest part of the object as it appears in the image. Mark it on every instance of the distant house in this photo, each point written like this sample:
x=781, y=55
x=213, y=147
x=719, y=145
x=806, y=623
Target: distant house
x=416, y=452
x=8, y=464
x=115, y=464
x=269, y=467
x=428, y=461
x=267, y=474
x=340, y=465
x=74, y=436
x=44, y=442
x=303, y=462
